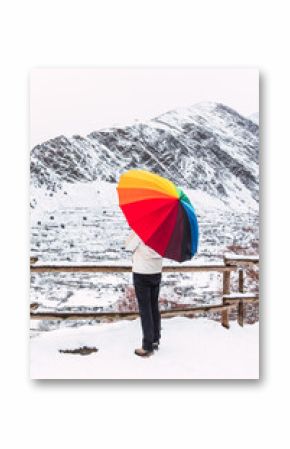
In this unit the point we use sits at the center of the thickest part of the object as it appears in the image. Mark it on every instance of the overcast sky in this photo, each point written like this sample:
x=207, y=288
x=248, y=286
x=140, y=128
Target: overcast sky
x=79, y=101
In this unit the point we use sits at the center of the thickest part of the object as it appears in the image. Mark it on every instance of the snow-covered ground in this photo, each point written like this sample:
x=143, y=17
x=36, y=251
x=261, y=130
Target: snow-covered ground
x=82, y=223
x=190, y=349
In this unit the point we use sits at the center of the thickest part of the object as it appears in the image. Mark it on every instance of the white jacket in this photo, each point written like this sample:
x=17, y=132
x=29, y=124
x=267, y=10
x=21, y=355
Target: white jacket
x=145, y=259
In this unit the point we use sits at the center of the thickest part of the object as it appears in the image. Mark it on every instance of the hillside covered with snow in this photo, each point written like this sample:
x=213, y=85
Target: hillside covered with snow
x=207, y=147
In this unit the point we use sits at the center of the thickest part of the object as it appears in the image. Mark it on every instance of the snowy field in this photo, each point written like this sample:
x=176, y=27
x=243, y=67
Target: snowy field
x=82, y=223
x=190, y=349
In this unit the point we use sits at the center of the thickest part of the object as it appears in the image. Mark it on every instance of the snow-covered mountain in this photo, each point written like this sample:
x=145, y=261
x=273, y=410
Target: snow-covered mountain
x=208, y=147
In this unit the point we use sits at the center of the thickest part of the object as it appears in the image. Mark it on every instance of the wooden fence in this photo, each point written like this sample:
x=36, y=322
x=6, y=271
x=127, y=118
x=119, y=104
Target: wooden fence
x=230, y=300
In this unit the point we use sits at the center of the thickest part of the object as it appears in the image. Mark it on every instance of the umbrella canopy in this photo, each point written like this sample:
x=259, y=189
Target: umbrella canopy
x=160, y=213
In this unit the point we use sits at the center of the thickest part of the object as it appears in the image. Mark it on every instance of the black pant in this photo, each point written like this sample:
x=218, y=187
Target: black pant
x=147, y=288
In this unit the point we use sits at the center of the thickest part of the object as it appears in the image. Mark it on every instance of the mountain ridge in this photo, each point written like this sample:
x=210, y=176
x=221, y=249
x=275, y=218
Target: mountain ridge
x=206, y=146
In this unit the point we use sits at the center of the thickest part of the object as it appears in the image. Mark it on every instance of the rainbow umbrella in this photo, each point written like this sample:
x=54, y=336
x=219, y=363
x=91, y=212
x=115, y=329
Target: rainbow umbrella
x=160, y=213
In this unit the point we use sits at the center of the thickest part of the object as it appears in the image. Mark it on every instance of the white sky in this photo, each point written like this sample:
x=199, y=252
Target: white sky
x=78, y=101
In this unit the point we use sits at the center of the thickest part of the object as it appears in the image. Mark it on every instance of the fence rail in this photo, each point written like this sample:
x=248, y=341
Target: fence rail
x=125, y=268
x=232, y=263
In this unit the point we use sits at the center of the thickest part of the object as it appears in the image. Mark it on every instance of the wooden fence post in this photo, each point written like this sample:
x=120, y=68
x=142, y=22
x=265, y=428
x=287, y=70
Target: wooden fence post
x=241, y=313
x=241, y=280
x=226, y=291
x=241, y=302
x=226, y=282
x=225, y=319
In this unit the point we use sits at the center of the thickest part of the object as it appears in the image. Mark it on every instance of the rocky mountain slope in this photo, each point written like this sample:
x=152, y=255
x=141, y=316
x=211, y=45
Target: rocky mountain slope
x=208, y=147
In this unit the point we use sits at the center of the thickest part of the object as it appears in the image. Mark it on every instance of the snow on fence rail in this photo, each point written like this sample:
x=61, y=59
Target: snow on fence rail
x=230, y=300
x=93, y=268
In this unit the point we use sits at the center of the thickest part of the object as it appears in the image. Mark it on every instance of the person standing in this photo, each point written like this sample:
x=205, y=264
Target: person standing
x=147, y=274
